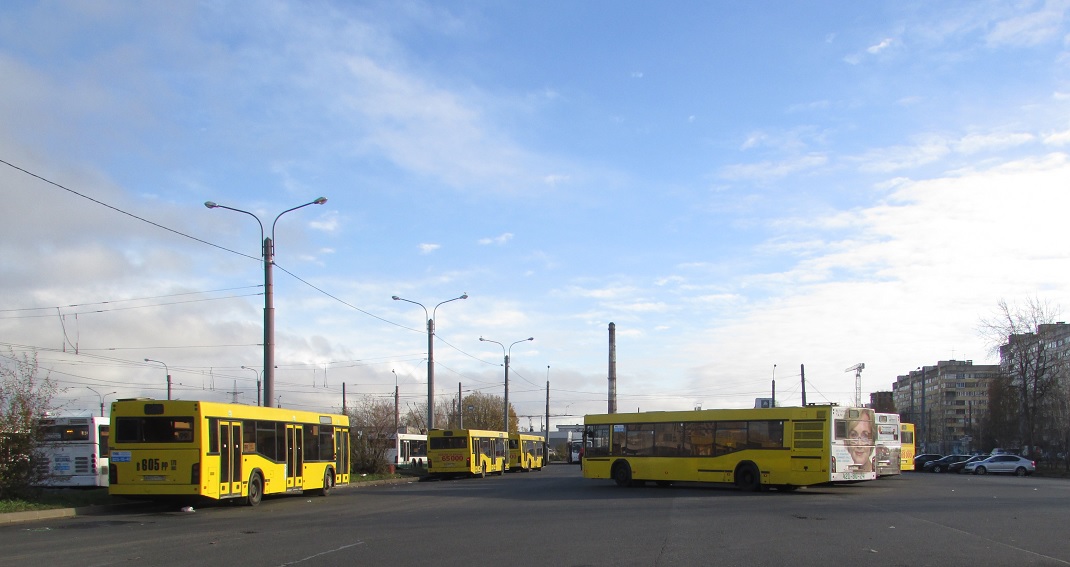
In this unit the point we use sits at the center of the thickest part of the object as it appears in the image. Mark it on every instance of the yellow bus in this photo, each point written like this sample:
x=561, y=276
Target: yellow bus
x=224, y=451
x=465, y=452
x=908, y=450
x=784, y=447
x=526, y=452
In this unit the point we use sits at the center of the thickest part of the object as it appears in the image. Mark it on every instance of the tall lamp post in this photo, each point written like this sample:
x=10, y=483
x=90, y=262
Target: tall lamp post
x=168, y=372
x=507, y=352
x=430, y=354
x=257, y=373
x=268, y=253
x=101, y=398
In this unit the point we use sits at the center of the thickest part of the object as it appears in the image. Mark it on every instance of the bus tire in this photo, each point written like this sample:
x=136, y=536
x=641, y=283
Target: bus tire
x=256, y=490
x=328, y=482
x=748, y=479
x=622, y=473
x=482, y=472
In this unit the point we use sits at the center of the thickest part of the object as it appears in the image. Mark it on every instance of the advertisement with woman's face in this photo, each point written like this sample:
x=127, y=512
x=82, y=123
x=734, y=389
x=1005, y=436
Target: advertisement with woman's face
x=853, y=455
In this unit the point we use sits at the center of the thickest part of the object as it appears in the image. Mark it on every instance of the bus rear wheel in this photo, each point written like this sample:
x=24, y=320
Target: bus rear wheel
x=622, y=474
x=256, y=490
x=328, y=483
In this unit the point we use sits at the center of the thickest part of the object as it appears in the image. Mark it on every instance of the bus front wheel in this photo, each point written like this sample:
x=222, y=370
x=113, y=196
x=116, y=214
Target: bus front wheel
x=747, y=478
x=622, y=474
x=256, y=490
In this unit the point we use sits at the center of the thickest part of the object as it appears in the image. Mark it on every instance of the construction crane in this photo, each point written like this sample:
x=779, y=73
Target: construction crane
x=857, y=369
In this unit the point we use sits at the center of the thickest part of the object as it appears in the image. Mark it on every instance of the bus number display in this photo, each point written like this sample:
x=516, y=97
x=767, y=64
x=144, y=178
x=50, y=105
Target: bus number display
x=155, y=465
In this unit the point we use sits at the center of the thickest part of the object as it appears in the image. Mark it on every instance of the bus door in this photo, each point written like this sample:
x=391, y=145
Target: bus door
x=341, y=455
x=230, y=469
x=295, y=463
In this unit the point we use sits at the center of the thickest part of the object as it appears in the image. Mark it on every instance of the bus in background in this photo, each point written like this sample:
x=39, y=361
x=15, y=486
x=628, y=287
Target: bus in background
x=74, y=451
x=526, y=452
x=219, y=451
x=465, y=452
x=407, y=450
x=907, y=448
x=889, y=444
x=754, y=449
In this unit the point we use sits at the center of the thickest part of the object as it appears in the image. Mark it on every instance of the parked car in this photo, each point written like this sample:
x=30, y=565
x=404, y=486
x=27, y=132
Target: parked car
x=1012, y=464
x=920, y=460
x=943, y=463
x=957, y=467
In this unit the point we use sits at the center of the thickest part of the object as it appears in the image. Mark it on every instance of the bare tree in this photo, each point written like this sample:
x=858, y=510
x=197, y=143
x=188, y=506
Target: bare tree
x=25, y=397
x=371, y=421
x=1027, y=360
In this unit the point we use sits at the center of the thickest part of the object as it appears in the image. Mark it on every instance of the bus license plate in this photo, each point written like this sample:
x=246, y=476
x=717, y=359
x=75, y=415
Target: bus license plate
x=154, y=478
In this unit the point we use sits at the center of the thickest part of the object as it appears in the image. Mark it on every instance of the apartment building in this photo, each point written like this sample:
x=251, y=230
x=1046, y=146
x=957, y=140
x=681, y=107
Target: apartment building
x=945, y=402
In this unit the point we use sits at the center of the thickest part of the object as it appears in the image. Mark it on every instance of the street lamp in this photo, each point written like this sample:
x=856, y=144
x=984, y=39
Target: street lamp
x=430, y=354
x=506, y=352
x=268, y=253
x=257, y=374
x=101, y=398
x=168, y=375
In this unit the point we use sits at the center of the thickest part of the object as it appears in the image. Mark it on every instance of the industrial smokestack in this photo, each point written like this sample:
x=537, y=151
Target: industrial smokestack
x=612, y=368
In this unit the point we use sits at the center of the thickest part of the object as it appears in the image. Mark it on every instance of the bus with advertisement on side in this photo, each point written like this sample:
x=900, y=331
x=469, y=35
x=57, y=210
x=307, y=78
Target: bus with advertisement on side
x=74, y=451
x=907, y=449
x=219, y=451
x=754, y=449
x=526, y=452
x=889, y=444
x=465, y=452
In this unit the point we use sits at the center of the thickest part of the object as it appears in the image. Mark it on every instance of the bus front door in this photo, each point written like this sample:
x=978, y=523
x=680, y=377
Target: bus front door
x=230, y=469
x=295, y=464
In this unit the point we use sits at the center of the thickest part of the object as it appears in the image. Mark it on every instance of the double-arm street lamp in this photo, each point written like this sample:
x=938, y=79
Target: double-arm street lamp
x=101, y=398
x=268, y=253
x=507, y=352
x=430, y=354
x=168, y=372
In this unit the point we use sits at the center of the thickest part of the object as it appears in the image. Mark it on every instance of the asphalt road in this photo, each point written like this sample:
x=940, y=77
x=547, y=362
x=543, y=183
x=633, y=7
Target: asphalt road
x=555, y=517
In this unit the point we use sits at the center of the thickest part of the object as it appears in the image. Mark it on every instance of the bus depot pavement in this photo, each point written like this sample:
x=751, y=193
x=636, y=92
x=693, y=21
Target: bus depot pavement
x=56, y=513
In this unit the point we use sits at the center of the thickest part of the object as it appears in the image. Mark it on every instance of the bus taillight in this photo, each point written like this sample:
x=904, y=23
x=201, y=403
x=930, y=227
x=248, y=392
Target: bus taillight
x=113, y=474
x=195, y=474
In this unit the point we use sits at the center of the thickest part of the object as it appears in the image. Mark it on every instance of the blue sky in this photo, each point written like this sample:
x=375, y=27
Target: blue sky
x=734, y=185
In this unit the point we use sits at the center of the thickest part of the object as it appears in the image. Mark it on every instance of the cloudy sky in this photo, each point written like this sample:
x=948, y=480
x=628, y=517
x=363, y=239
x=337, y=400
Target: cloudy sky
x=742, y=188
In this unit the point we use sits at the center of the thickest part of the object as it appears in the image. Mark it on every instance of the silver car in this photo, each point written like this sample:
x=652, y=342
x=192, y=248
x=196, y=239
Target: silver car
x=1010, y=464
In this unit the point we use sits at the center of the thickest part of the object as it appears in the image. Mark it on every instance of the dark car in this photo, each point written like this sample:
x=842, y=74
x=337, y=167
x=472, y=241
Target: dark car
x=920, y=460
x=943, y=463
x=957, y=467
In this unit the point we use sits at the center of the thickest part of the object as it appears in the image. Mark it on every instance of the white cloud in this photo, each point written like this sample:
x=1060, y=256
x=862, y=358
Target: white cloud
x=500, y=240
x=428, y=248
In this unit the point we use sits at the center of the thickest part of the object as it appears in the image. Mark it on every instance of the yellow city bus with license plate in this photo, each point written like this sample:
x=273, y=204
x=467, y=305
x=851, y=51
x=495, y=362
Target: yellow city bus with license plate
x=197, y=449
x=465, y=452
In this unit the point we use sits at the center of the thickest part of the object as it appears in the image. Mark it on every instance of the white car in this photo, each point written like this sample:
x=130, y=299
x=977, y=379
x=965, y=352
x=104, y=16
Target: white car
x=1010, y=464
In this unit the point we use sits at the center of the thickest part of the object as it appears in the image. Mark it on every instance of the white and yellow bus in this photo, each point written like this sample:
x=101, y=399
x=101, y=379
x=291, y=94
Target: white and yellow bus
x=784, y=447
x=526, y=452
x=224, y=451
x=907, y=449
x=465, y=452
x=889, y=444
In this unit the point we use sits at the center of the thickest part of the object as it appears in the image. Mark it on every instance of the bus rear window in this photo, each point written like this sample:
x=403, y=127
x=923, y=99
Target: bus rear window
x=153, y=429
x=438, y=443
